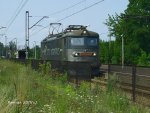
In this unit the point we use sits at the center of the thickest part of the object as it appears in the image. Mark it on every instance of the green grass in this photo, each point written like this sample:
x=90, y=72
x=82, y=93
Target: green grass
x=23, y=90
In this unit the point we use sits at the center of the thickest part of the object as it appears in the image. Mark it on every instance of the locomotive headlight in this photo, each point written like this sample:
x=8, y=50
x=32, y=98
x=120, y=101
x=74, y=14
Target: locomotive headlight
x=75, y=54
x=84, y=32
x=94, y=54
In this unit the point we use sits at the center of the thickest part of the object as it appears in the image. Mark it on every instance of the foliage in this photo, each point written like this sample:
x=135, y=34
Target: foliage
x=109, y=52
x=144, y=59
x=103, y=52
x=134, y=27
x=12, y=49
x=32, y=52
x=45, y=68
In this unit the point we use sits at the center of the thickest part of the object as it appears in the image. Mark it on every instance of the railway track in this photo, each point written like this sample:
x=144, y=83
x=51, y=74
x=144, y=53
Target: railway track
x=125, y=86
x=139, y=77
x=134, y=80
x=142, y=94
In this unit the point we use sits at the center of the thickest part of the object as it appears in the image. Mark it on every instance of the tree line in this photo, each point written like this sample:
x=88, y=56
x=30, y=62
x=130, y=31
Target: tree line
x=10, y=50
x=133, y=28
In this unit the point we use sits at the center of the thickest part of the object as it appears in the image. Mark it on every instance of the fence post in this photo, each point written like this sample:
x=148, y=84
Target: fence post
x=108, y=68
x=133, y=82
x=108, y=71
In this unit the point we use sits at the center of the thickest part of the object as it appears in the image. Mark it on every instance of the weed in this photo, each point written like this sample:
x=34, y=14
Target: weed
x=25, y=90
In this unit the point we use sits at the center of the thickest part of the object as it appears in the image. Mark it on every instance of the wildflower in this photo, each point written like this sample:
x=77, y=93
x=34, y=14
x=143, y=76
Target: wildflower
x=85, y=100
x=41, y=111
x=29, y=102
x=14, y=102
x=46, y=105
x=4, y=67
x=121, y=98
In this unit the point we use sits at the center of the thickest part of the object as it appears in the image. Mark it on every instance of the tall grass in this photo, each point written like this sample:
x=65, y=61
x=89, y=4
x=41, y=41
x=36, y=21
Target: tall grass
x=23, y=90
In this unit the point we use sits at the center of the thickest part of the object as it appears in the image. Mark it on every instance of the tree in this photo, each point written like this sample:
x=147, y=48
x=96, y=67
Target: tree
x=32, y=52
x=103, y=52
x=1, y=49
x=38, y=52
x=108, y=53
x=12, y=49
x=134, y=27
x=144, y=59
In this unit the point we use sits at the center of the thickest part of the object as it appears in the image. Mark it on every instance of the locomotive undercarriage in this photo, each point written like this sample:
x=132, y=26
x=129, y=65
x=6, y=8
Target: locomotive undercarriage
x=78, y=70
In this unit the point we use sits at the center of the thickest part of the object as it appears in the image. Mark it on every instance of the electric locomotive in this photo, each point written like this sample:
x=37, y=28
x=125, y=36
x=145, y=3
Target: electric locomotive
x=75, y=50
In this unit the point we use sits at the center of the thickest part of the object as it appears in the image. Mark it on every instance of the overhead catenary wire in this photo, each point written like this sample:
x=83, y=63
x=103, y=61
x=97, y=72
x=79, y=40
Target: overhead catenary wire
x=70, y=15
x=80, y=10
x=60, y=11
x=65, y=9
x=17, y=13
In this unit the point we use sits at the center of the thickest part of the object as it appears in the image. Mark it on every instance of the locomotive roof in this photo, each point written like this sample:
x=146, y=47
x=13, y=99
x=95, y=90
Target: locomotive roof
x=73, y=31
x=80, y=32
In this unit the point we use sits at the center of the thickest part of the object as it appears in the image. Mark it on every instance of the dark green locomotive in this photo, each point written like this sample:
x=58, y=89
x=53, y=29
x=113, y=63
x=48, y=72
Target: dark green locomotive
x=74, y=50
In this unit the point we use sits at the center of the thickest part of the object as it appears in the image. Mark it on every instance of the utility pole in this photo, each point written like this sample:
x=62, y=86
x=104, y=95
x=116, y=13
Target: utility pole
x=27, y=28
x=6, y=46
x=27, y=32
x=122, y=51
x=109, y=58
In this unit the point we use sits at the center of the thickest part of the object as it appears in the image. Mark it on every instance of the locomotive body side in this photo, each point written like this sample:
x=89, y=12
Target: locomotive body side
x=53, y=51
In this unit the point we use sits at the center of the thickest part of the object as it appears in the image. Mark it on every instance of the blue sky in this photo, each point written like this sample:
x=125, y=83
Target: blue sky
x=94, y=16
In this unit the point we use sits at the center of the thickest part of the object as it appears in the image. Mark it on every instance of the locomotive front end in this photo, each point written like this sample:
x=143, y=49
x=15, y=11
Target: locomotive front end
x=83, y=50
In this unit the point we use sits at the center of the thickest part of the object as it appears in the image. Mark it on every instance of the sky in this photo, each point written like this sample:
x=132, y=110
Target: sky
x=12, y=16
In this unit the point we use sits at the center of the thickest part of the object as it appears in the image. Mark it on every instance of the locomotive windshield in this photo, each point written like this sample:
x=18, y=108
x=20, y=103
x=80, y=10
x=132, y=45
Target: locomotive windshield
x=84, y=41
x=91, y=41
x=77, y=41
